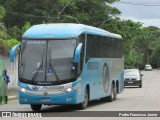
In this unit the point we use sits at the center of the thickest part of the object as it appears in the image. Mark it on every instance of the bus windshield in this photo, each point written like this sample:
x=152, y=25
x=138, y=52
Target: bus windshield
x=47, y=61
x=60, y=64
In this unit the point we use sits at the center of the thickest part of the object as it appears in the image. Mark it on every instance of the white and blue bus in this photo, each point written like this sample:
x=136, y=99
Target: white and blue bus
x=68, y=63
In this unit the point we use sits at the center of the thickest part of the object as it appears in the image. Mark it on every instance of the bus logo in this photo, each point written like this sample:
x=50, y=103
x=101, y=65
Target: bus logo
x=45, y=93
x=35, y=88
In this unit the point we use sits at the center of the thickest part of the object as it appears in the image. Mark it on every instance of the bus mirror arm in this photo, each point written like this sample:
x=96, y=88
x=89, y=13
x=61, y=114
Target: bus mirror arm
x=77, y=54
x=13, y=51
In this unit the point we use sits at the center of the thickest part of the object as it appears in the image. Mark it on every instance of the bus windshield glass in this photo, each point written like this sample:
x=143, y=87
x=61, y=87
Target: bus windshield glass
x=47, y=61
x=32, y=60
x=60, y=60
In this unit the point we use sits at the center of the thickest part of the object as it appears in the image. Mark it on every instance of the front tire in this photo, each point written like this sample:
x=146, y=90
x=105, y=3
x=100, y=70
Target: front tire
x=36, y=107
x=140, y=86
x=84, y=104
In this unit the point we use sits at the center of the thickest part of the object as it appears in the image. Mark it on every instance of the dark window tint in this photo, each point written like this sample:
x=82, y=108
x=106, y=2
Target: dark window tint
x=104, y=47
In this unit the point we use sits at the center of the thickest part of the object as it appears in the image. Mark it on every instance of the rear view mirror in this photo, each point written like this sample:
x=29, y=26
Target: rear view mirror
x=77, y=53
x=13, y=51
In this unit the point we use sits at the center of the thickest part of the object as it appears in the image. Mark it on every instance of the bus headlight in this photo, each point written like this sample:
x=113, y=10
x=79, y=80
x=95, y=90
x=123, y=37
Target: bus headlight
x=70, y=89
x=22, y=89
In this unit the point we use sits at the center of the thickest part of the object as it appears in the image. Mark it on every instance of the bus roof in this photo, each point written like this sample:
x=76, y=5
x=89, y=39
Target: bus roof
x=63, y=31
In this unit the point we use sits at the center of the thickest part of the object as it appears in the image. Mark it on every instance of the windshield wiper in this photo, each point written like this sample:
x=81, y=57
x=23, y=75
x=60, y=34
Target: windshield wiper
x=53, y=70
x=37, y=71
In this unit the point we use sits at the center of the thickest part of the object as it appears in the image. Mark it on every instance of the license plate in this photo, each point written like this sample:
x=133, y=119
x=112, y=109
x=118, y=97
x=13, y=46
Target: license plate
x=45, y=100
x=130, y=82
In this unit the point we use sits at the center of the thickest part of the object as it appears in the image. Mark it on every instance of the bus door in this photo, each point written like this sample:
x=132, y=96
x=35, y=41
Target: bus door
x=92, y=67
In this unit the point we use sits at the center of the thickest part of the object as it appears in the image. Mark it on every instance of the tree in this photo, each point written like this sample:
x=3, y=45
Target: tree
x=5, y=44
x=156, y=53
x=3, y=30
x=86, y=11
x=145, y=41
x=17, y=32
x=129, y=30
x=139, y=42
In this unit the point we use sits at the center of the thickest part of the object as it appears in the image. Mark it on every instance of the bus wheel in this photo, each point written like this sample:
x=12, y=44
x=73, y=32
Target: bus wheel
x=36, y=107
x=84, y=104
x=113, y=95
x=115, y=92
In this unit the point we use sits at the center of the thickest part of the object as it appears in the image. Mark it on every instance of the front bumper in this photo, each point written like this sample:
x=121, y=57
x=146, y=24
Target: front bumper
x=66, y=98
x=148, y=69
x=132, y=83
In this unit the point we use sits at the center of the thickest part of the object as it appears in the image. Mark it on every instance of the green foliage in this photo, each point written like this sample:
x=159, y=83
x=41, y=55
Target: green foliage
x=3, y=30
x=145, y=42
x=141, y=44
x=129, y=31
x=2, y=12
x=4, y=35
x=6, y=45
x=37, y=11
x=26, y=26
x=90, y=12
x=155, y=56
x=17, y=33
x=110, y=1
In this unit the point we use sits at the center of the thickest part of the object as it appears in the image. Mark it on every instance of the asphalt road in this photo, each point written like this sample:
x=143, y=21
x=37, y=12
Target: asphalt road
x=146, y=98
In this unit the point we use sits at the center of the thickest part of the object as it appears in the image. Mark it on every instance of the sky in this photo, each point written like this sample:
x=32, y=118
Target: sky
x=144, y=11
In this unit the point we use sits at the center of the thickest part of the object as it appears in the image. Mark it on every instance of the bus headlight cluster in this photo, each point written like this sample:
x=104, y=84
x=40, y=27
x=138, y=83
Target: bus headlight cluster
x=70, y=89
x=22, y=89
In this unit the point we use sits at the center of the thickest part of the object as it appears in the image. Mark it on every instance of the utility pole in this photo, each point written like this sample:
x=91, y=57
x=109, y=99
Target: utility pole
x=58, y=10
x=104, y=22
x=73, y=18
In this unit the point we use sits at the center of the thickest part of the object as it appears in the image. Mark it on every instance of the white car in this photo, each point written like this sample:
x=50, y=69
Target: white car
x=148, y=67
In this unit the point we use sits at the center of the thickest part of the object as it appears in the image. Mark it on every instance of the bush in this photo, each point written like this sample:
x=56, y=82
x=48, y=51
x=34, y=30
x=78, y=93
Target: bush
x=6, y=45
